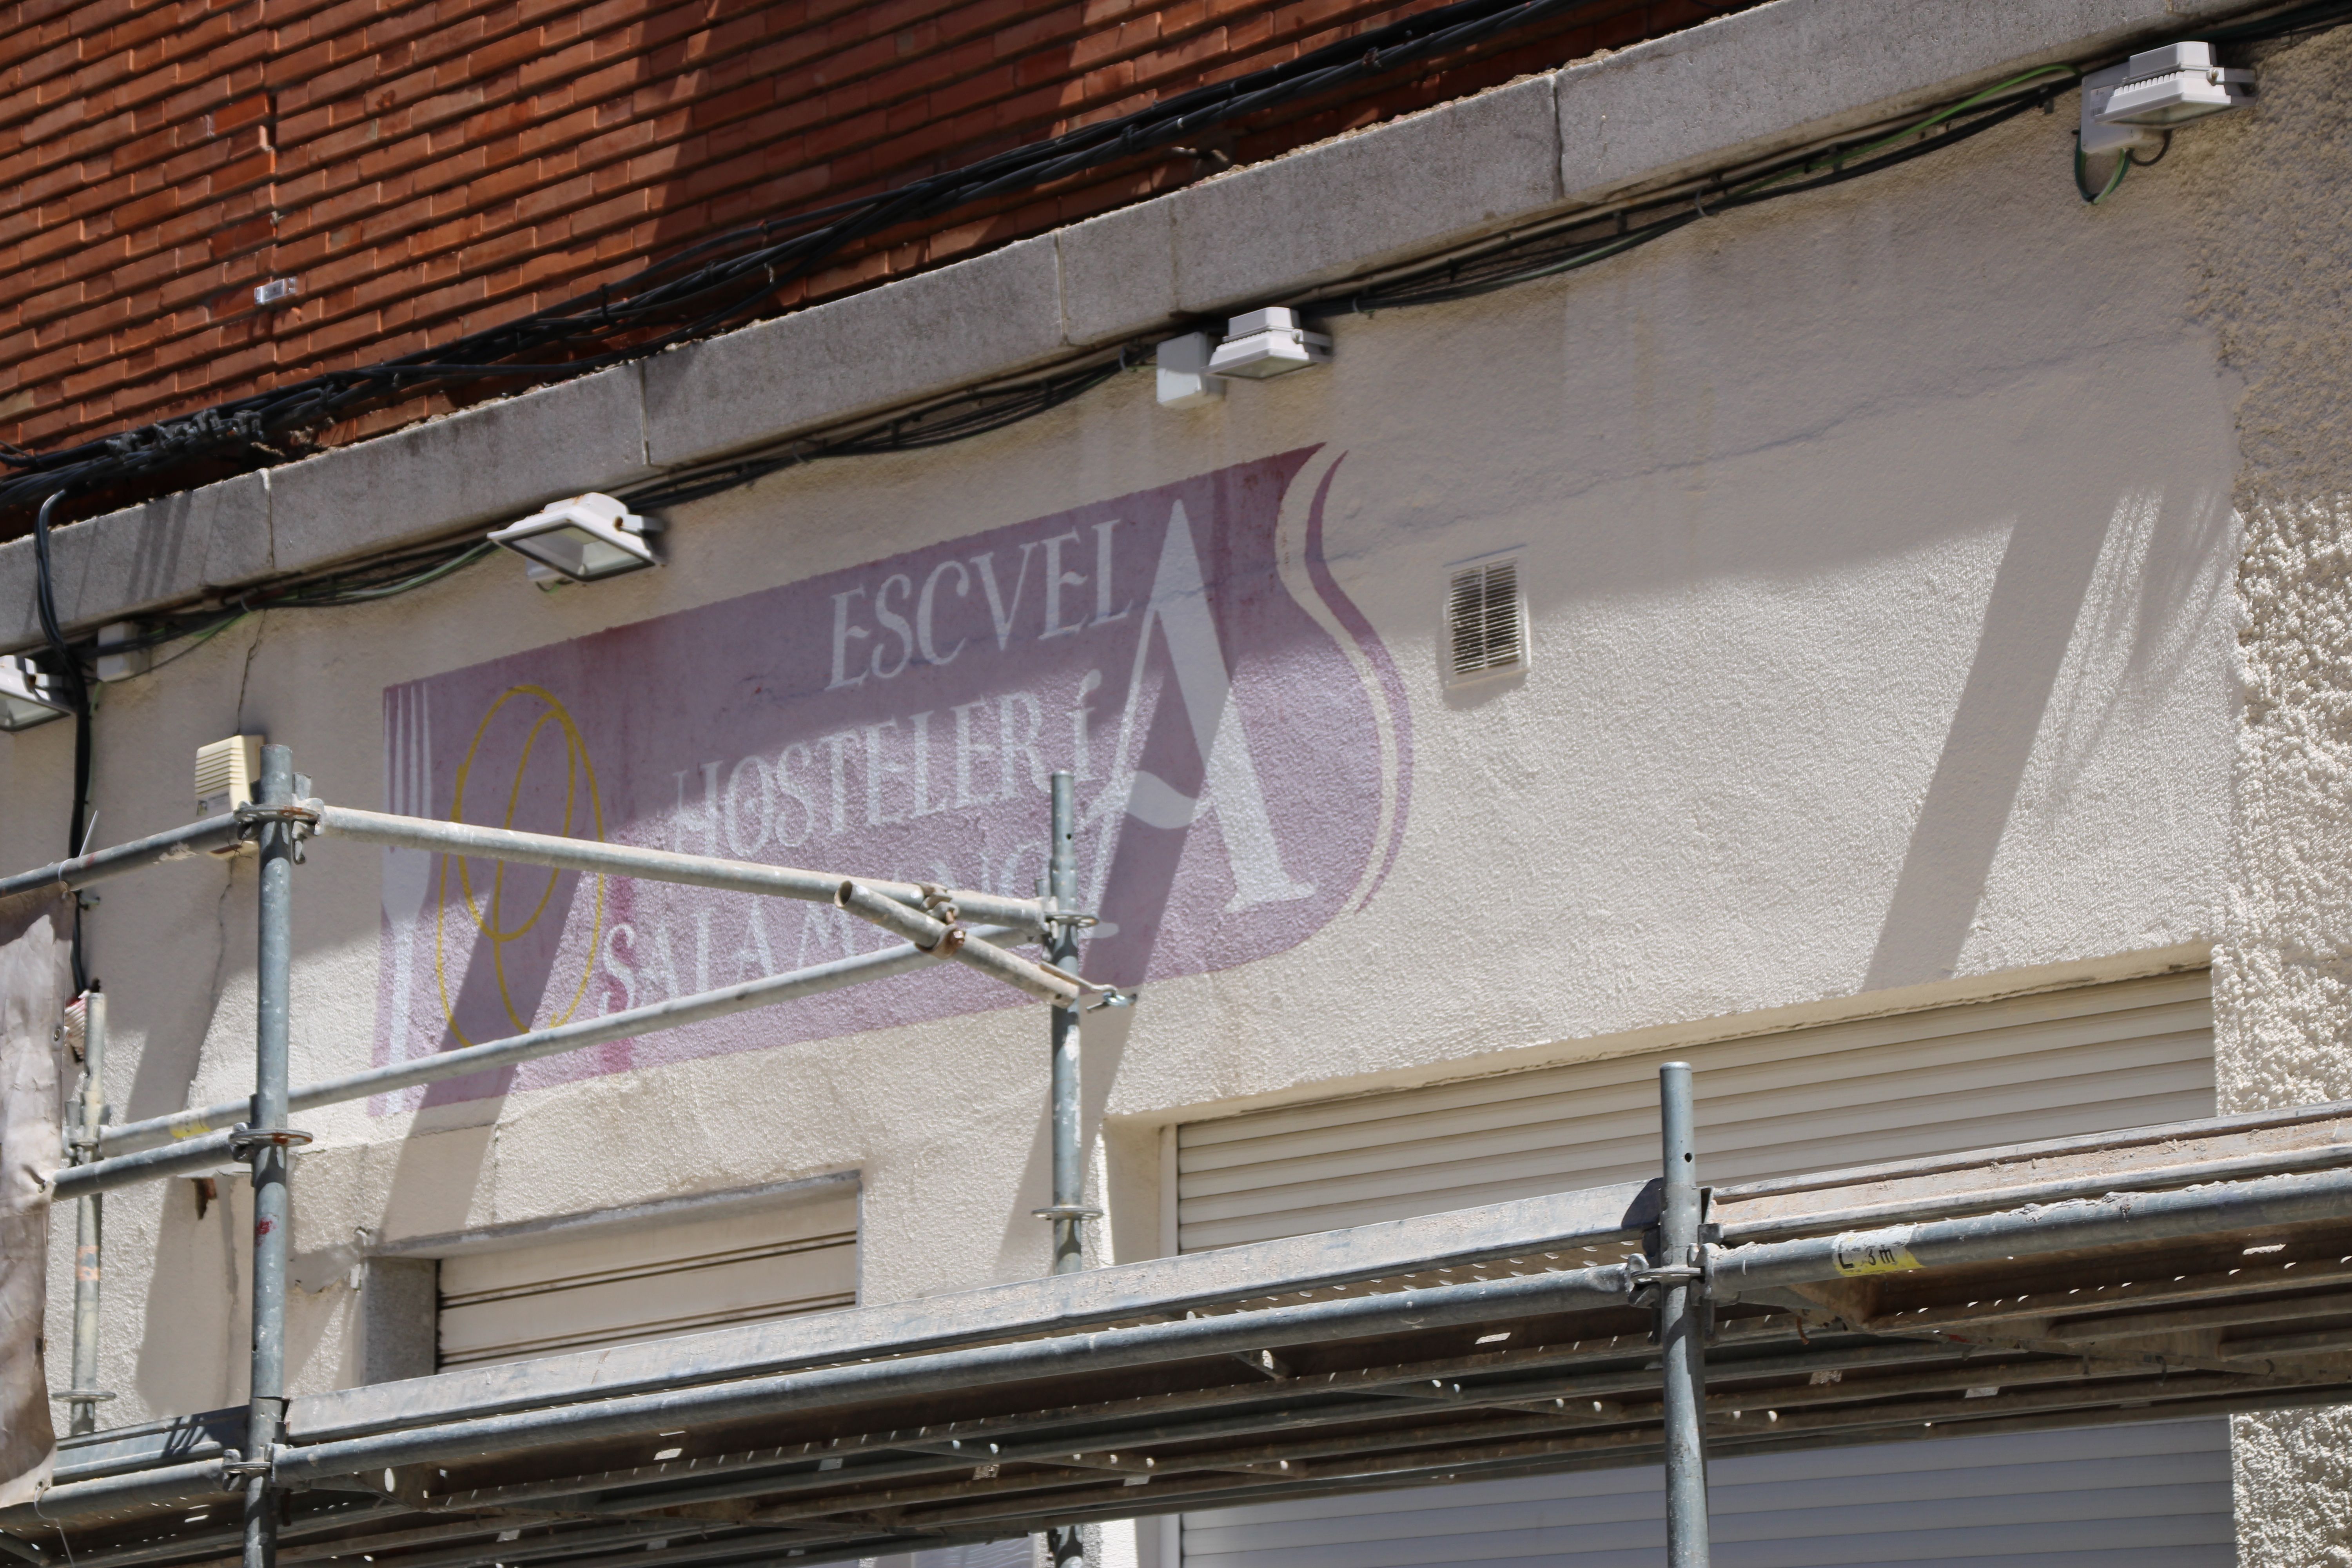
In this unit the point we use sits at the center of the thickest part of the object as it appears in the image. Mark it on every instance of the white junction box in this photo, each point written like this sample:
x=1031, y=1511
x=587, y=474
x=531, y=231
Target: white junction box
x=1183, y=366
x=225, y=772
x=128, y=659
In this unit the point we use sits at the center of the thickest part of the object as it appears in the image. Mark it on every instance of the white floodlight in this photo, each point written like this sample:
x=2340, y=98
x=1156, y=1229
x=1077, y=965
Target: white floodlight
x=27, y=696
x=581, y=539
x=1184, y=371
x=1269, y=342
x=2170, y=86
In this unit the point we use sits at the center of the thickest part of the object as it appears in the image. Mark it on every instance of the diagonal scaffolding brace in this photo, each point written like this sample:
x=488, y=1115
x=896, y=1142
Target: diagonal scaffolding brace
x=257, y=1131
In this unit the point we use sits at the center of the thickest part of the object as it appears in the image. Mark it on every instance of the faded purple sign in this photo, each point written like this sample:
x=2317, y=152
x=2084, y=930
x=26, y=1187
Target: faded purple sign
x=1238, y=731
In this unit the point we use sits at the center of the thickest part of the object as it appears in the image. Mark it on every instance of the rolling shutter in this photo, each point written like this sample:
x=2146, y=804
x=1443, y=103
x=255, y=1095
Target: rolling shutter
x=609, y=1286
x=2044, y=1065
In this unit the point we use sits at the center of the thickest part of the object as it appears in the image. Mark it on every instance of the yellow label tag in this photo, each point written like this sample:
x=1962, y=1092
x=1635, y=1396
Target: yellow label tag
x=190, y=1130
x=1873, y=1251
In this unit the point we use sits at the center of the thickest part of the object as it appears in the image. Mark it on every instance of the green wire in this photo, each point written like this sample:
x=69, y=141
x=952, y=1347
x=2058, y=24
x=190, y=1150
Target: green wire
x=2082, y=167
x=385, y=591
x=202, y=637
x=1815, y=165
x=355, y=595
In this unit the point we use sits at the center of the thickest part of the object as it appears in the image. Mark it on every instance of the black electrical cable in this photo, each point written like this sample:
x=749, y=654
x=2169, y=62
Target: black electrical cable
x=2296, y=19
x=77, y=690
x=676, y=302
x=957, y=419
x=1549, y=255
x=675, y=306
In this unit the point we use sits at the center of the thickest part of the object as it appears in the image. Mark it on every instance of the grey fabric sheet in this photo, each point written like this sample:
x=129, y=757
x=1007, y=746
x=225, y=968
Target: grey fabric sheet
x=34, y=979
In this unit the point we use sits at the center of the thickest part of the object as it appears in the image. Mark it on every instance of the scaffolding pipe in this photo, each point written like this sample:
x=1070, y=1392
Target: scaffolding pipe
x=2119, y=1219
x=1339, y=1318
x=1068, y=1207
x=84, y=1397
x=1068, y=1210
x=207, y=833
x=1681, y=1324
x=194, y=1154
x=655, y=865
x=202, y=1131
x=269, y=1141
x=944, y=939
x=2285, y=1200
x=108, y=1496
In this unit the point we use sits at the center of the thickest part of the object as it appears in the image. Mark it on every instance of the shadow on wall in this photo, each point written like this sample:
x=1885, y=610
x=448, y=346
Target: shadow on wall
x=2084, y=616
x=197, y=1283
x=1102, y=1051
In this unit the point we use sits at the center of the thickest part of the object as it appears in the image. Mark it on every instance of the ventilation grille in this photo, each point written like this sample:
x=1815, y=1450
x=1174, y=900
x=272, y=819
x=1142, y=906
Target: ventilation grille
x=224, y=774
x=1485, y=620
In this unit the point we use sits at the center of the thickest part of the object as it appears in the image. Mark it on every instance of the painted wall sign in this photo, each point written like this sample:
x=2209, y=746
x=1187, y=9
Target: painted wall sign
x=1238, y=732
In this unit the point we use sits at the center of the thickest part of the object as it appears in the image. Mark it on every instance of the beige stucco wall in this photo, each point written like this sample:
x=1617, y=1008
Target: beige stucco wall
x=2274, y=233
x=1880, y=551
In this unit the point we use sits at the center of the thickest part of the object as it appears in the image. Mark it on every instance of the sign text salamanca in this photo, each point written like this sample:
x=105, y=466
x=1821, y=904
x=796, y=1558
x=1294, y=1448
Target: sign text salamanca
x=1238, y=731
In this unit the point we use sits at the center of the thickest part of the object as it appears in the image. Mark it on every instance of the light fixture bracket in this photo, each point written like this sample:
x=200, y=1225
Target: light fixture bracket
x=1269, y=342
x=580, y=538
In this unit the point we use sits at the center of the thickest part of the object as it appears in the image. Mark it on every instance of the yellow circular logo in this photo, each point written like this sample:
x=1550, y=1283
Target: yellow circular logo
x=489, y=917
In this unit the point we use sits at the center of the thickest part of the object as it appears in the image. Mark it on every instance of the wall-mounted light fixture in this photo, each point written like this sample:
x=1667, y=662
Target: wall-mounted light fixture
x=27, y=697
x=1269, y=342
x=581, y=539
x=2159, y=89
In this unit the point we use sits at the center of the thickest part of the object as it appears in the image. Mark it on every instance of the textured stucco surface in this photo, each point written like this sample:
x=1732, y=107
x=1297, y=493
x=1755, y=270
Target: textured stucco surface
x=1880, y=644
x=2273, y=192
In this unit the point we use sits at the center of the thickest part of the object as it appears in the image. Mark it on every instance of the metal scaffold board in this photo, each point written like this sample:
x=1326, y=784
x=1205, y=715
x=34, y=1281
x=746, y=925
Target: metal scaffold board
x=2171, y=1271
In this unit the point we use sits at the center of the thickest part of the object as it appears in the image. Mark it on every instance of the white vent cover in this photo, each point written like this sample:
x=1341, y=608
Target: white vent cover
x=1485, y=620
x=226, y=774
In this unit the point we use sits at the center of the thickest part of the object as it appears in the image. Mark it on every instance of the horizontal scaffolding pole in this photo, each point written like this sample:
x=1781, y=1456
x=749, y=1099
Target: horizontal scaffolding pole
x=207, y=833
x=2268, y=1161
x=2118, y=1220
x=1026, y=916
x=950, y=1371
x=205, y=1134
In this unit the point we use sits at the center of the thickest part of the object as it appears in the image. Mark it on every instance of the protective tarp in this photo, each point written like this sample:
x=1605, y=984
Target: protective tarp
x=34, y=980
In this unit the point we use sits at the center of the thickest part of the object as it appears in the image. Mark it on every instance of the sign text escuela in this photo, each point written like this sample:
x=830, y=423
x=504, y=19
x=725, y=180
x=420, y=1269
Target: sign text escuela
x=1238, y=731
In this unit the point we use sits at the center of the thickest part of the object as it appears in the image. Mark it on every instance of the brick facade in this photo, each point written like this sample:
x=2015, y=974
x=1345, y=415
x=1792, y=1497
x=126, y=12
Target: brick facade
x=428, y=167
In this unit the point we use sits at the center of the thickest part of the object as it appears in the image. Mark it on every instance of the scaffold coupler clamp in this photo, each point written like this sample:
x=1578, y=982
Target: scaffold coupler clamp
x=244, y=1139
x=1091, y=998
x=236, y=1467
x=1650, y=1278
x=1065, y=1211
x=300, y=816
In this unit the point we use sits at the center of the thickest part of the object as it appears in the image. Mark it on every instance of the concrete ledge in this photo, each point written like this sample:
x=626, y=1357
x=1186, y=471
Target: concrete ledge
x=927, y=334
x=1793, y=72
x=496, y=461
x=1425, y=182
x=1738, y=87
x=143, y=558
x=1118, y=274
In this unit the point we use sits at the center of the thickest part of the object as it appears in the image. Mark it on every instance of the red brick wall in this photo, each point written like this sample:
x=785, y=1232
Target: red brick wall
x=428, y=167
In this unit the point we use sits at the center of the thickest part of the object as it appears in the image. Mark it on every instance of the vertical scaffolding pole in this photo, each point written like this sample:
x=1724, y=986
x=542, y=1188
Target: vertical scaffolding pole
x=266, y=1142
x=1069, y=1211
x=90, y=1218
x=1681, y=1324
x=1062, y=949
